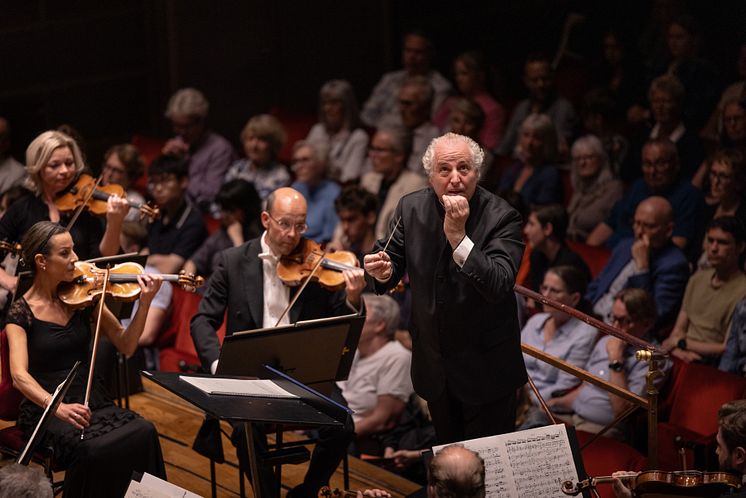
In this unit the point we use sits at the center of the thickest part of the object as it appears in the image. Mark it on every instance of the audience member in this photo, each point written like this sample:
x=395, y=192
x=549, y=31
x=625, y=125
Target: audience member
x=467, y=118
x=456, y=472
x=208, y=154
x=660, y=176
x=123, y=166
x=379, y=385
x=262, y=138
x=12, y=172
x=534, y=176
x=701, y=329
x=240, y=207
x=539, y=80
x=597, y=114
x=415, y=104
x=732, y=93
x=356, y=210
x=471, y=71
x=339, y=128
x=620, y=75
x=727, y=175
x=649, y=260
x=417, y=54
x=614, y=361
x=179, y=231
x=734, y=356
x=545, y=231
x=734, y=124
x=390, y=180
x=595, y=189
x=23, y=481
x=309, y=165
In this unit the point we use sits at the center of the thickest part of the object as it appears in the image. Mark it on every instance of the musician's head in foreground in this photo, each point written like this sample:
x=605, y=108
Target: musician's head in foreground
x=21, y=481
x=453, y=164
x=48, y=252
x=284, y=220
x=456, y=472
x=731, y=436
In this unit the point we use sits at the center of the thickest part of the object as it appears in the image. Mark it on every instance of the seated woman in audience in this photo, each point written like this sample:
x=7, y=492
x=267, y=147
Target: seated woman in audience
x=472, y=71
x=534, y=176
x=262, y=138
x=339, y=128
x=595, y=190
x=123, y=166
x=545, y=233
x=53, y=163
x=46, y=337
x=558, y=334
x=240, y=207
x=732, y=136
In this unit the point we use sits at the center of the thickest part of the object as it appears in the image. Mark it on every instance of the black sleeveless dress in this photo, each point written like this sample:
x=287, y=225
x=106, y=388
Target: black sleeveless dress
x=117, y=442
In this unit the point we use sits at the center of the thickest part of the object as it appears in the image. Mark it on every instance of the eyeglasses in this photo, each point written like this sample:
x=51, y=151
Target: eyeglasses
x=660, y=164
x=300, y=228
x=545, y=289
x=623, y=321
x=721, y=176
x=586, y=157
x=113, y=169
x=155, y=181
x=379, y=150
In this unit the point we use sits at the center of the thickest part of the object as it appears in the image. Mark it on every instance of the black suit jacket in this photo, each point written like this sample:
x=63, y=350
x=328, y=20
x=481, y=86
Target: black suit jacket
x=236, y=285
x=464, y=326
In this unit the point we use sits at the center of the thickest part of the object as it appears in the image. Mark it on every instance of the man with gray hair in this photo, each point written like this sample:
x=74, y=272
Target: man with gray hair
x=209, y=155
x=21, y=481
x=461, y=246
x=456, y=472
x=378, y=387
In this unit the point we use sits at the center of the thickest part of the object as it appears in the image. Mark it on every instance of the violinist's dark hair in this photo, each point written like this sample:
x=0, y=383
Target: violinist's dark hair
x=36, y=241
x=574, y=279
x=732, y=419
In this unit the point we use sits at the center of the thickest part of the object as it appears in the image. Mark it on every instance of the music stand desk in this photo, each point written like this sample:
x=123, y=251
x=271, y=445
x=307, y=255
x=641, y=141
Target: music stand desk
x=311, y=408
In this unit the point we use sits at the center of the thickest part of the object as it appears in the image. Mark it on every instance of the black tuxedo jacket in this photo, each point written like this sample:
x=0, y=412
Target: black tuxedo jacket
x=236, y=285
x=464, y=325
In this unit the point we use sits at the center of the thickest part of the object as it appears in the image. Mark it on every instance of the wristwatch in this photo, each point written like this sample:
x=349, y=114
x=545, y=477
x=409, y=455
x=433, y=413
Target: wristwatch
x=681, y=344
x=616, y=365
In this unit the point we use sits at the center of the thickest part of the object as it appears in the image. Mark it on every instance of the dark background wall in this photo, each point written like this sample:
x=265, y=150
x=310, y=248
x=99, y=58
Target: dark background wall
x=108, y=67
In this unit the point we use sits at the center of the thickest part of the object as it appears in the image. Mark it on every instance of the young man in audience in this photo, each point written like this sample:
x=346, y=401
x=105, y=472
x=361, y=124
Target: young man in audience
x=417, y=54
x=701, y=329
x=208, y=154
x=179, y=231
x=356, y=210
x=378, y=386
x=660, y=176
x=415, y=108
x=390, y=180
x=649, y=260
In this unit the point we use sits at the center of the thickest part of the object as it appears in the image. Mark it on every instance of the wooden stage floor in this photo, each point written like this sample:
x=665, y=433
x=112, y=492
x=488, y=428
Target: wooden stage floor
x=178, y=422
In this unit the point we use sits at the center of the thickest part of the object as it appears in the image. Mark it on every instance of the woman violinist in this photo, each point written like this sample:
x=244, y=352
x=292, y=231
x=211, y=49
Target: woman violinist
x=53, y=162
x=46, y=338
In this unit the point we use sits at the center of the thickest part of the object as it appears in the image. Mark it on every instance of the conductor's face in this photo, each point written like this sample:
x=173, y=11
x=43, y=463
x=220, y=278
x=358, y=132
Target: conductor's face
x=453, y=172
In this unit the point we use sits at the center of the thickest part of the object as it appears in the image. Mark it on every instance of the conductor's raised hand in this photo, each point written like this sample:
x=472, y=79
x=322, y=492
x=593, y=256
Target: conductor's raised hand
x=378, y=266
x=454, y=223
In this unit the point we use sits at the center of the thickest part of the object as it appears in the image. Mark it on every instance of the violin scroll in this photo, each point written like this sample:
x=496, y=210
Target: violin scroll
x=189, y=281
x=11, y=247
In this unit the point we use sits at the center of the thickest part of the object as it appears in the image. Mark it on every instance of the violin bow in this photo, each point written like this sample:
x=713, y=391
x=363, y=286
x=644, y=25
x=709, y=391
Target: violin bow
x=82, y=205
x=95, y=343
x=297, y=294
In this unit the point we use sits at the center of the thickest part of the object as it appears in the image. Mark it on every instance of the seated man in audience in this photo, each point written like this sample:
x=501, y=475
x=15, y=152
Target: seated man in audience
x=417, y=53
x=701, y=329
x=456, y=471
x=415, y=104
x=613, y=360
x=390, y=180
x=379, y=384
x=208, y=154
x=660, y=176
x=649, y=260
x=734, y=357
x=543, y=99
x=356, y=210
x=12, y=172
x=179, y=231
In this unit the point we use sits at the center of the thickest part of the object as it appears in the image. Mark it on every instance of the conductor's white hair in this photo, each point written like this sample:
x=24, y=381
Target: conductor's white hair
x=476, y=154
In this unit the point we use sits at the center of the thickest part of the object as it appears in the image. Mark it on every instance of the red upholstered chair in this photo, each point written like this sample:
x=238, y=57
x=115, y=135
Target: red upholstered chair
x=297, y=125
x=594, y=257
x=696, y=394
x=605, y=456
x=149, y=148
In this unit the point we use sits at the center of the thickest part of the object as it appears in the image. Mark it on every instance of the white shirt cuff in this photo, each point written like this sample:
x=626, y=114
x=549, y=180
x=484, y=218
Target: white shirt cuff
x=462, y=251
x=214, y=367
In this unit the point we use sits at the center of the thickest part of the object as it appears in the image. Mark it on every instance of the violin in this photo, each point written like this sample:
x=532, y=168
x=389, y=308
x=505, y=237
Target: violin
x=299, y=265
x=88, y=282
x=683, y=482
x=93, y=197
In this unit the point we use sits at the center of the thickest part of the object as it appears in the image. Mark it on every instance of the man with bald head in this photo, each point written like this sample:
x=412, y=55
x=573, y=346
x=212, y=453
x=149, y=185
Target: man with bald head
x=649, y=260
x=456, y=472
x=245, y=289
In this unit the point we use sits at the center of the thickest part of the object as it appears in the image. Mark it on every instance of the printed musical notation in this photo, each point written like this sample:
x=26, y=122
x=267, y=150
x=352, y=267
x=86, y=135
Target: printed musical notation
x=531, y=463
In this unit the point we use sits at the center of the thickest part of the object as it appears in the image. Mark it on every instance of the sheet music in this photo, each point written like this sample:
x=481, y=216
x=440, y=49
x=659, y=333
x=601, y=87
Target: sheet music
x=238, y=387
x=531, y=463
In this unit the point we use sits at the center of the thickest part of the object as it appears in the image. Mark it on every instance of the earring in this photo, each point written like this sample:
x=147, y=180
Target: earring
x=43, y=268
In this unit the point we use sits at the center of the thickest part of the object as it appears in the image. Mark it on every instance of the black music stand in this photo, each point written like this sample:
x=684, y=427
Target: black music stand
x=334, y=341
x=41, y=426
x=310, y=408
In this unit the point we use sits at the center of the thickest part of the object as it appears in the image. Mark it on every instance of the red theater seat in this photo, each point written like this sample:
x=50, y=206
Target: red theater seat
x=605, y=456
x=594, y=257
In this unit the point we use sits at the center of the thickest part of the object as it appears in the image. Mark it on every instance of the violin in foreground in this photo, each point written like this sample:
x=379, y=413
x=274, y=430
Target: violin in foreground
x=88, y=283
x=682, y=482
